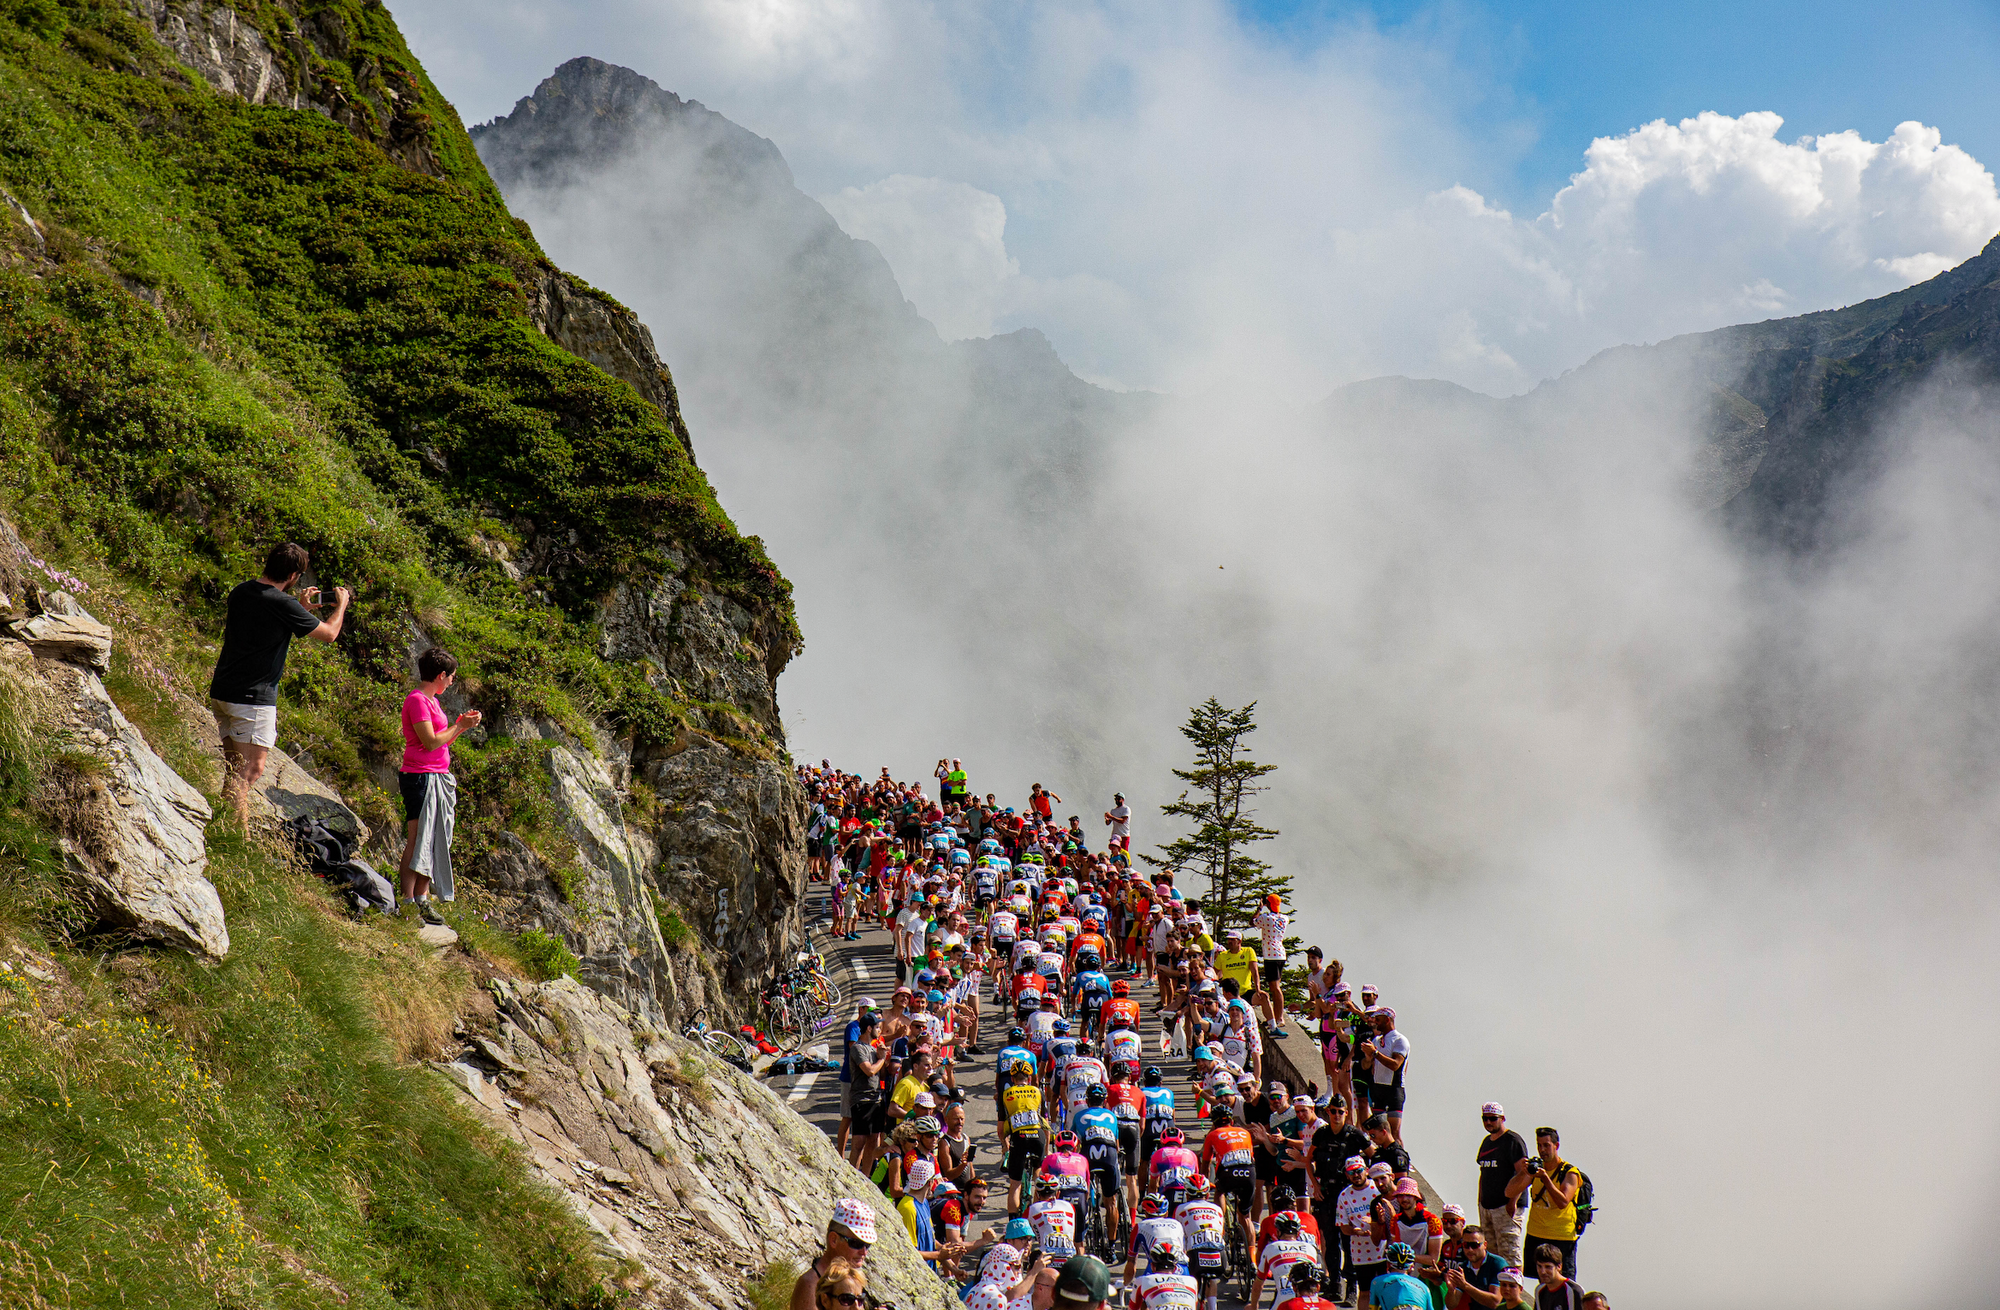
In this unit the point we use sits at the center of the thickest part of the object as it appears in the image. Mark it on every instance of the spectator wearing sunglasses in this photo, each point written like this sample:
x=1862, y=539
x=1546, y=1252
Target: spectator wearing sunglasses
x=843, y=1288
x=1503, y=1213
x=849, y=1234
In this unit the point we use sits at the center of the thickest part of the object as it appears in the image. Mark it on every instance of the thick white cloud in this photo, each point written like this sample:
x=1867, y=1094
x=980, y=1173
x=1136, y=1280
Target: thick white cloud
x=1183, y=203
x=1669, y=228
x=946, y=241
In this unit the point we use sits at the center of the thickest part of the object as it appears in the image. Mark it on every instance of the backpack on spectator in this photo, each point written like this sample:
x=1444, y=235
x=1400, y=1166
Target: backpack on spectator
x=1586, y=1202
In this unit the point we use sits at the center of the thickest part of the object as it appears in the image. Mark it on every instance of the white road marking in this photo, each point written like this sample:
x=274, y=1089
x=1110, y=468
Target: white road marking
x=803, y=1088
x=860, y=968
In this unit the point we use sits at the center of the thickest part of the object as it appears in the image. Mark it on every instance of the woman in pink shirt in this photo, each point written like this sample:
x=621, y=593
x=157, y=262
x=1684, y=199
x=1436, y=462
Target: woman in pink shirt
x=430, y=793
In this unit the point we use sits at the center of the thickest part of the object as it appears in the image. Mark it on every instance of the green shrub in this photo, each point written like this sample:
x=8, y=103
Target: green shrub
x=544, y=955
x=674, y=930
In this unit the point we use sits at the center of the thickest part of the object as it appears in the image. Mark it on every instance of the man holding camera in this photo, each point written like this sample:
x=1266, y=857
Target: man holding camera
x=263, y=617
x=1552, y=1184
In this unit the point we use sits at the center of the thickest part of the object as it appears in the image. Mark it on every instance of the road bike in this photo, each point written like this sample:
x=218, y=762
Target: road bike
x=725, y=1046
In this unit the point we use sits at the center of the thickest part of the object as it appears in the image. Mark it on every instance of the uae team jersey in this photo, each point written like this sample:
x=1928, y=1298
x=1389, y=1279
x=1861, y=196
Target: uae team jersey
x=1165, y=1292
x=1277, y=1258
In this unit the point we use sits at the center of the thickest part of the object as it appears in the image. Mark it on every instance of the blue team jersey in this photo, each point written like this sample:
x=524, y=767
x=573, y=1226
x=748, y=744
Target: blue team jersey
x=1011, y=1056
x=1159, y=1104
x=1391, y=1290
x=1061, y=1049
x=1094, y=986
x=1095, y=1124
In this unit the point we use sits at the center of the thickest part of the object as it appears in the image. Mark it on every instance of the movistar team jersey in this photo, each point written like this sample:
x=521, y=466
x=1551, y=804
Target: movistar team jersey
x=1095, y=987
x=1095, y=1124
x=1011, y=1056
x=1159, y=1105
x=1061, y=1050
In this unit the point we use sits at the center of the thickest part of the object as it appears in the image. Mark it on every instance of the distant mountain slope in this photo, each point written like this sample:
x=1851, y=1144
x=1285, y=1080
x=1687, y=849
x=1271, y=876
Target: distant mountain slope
x=1797, y=406
x=911, y=465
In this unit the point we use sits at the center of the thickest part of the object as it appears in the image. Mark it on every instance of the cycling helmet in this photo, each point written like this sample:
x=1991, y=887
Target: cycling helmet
x=1152, y=1075
x=1045, y=1184
x=1121, y=988
x=1172, y=1135
x=1200, y=1185
x=1283, y=1198
x=1065, y=1140
x=1401, y=1255
x=1152, y=1205
x=1286, y=1225
x=1126, y=1070
x=1220, y=1114
x=1094, y=1094
x=1307, y=1278
x=1062, y=1025
x=1083, y=1047
x=1166, y=1251
x=1016, y=1033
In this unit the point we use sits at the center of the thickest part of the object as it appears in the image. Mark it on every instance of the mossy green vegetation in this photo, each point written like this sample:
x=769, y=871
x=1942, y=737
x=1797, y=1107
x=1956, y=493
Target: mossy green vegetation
x=222, y=325
x=258, y=325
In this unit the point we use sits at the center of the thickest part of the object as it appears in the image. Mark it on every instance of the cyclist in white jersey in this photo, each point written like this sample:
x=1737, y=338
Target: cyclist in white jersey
x=1202, y=1221
x=1163, y=1286
x=1054, y=1220
x=1154, y=1230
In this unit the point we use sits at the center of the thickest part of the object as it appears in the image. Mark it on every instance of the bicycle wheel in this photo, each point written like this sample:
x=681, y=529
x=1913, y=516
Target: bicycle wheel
x=781, y=1021
x=727, y=1047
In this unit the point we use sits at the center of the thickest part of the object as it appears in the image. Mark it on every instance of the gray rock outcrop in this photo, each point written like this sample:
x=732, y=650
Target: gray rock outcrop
x=132, y=828
x=697, y=1173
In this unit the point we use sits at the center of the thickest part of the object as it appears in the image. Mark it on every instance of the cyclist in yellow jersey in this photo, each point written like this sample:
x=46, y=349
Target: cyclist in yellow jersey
x=1021, y=1130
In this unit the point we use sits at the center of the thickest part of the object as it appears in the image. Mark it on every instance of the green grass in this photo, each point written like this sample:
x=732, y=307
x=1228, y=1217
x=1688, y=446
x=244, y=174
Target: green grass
x=181, y=1134
x=773, y=1291
x=340, y=355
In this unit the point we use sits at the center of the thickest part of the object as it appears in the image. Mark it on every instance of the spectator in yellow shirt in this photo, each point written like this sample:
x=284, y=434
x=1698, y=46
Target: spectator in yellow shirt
x=1235, y=960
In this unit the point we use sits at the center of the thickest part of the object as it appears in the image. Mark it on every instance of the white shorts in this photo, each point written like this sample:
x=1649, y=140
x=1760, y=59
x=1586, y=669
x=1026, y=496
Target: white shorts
x=247, y=725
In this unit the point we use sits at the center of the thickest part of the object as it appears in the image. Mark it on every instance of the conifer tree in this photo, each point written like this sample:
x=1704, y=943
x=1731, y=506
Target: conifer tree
x=1220, y=783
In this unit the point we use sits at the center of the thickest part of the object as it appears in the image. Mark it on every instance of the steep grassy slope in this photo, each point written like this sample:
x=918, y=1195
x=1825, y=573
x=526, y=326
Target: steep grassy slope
x=224, y=323
x=341, y=353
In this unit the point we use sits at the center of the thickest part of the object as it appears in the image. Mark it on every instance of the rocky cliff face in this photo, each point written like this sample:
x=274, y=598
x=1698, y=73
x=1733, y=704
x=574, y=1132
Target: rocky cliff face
x=130, y=828
x=706, y=825
x=699, y=1175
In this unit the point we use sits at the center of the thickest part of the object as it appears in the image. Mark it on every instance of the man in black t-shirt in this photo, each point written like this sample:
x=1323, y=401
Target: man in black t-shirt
x=1502, y=1216
x=263, y=619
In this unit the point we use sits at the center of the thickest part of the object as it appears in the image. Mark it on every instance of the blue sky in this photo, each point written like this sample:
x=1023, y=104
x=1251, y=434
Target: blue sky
x=1560, y=73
